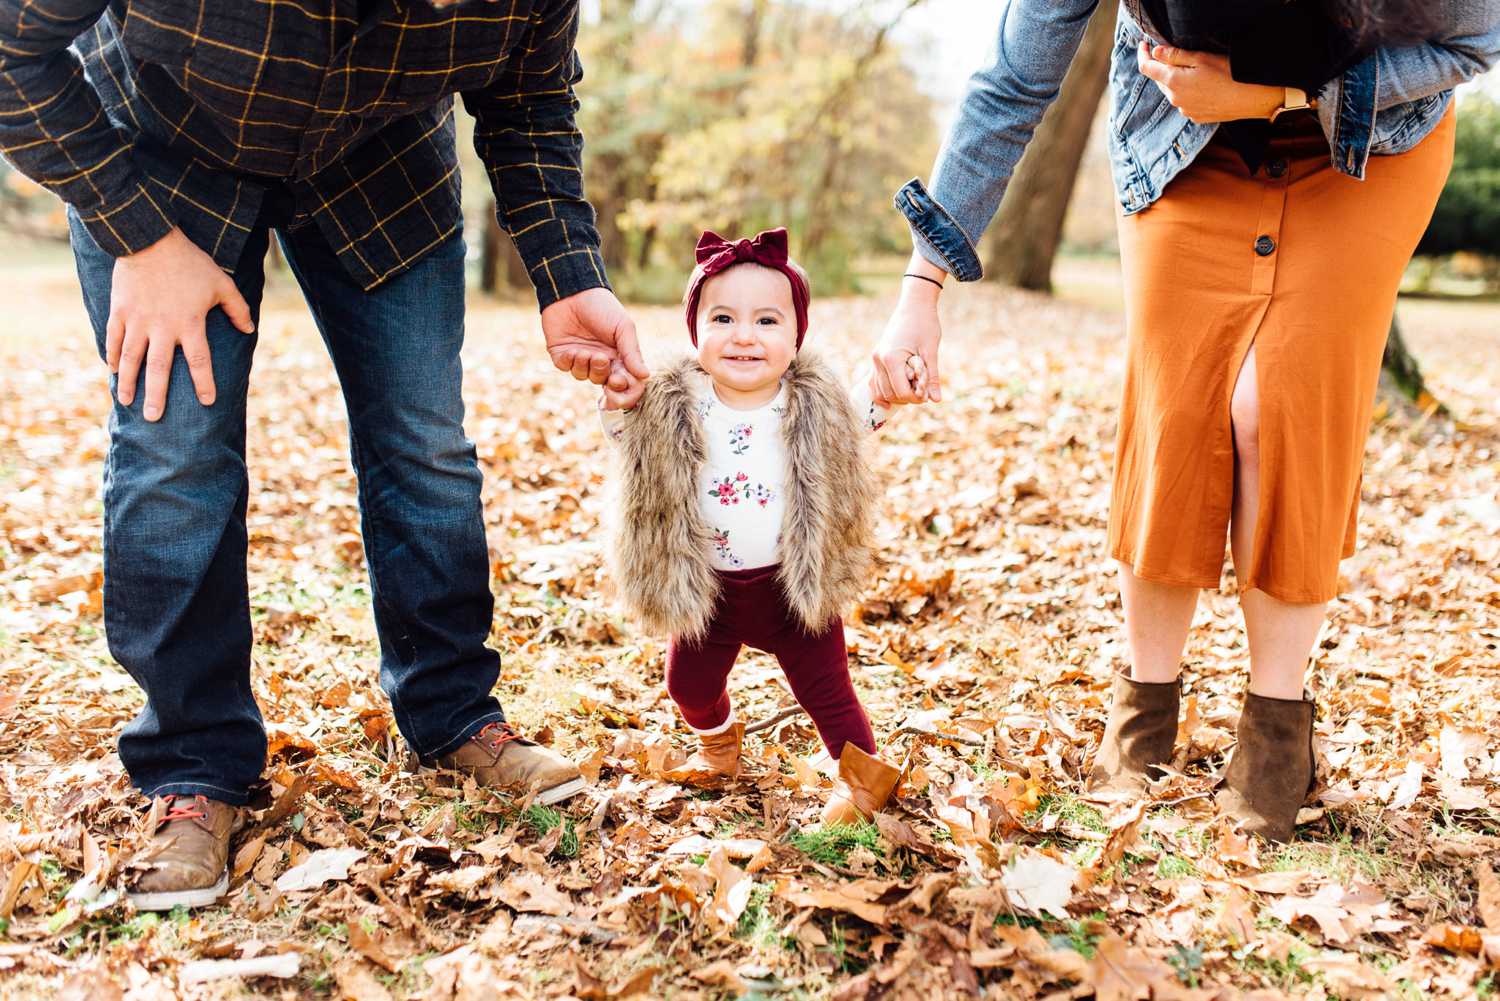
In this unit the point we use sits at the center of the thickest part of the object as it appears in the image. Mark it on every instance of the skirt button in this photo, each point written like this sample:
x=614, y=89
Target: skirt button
x=1277, y=167
x=1265, y=246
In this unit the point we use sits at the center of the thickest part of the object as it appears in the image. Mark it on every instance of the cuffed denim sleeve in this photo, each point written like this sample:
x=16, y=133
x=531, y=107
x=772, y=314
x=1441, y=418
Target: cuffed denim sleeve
x=1398, y=75
x=1005, y=100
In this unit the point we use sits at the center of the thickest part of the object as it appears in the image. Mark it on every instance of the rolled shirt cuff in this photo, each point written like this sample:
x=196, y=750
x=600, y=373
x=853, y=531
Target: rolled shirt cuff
x=128, y=226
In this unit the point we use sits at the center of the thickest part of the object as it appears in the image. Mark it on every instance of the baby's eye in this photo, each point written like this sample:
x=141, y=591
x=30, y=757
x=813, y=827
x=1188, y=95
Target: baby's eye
x=719, y=318
x=768, y=320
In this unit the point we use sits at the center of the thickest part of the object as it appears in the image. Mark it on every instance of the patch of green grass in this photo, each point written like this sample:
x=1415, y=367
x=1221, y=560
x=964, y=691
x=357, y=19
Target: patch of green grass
x=1282, y=973
x=540, y=820
x=1187, y=962
x=832, y=844
x=412, y=978
x=757, y=925
x=1341, y=860
x=1068, y=809
x=1174, y=867
x=1487, y=987
x=470, y=819
x=1079, y=934
x=838, y=946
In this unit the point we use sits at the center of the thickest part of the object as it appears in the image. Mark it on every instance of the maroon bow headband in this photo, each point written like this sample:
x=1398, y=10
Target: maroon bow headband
x=768, y=249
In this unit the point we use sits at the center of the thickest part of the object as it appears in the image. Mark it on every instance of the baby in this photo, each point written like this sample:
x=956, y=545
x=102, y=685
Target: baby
x=745, y=509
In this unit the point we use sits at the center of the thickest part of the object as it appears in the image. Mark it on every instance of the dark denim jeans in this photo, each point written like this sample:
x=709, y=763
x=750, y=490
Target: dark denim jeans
x=176, y=603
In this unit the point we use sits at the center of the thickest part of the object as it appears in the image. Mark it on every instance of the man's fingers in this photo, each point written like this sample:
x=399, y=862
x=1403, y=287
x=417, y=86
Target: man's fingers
x=562, y=360
x=114, y=334
x=629, y=349
x=580, y=367
x=132, y=354
x=158, y=372
x=599, y=367
x=235, y=307
x=200, y=366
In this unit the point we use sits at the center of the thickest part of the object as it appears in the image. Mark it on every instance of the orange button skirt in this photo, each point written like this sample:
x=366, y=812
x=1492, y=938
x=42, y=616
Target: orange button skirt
x=1303, y=262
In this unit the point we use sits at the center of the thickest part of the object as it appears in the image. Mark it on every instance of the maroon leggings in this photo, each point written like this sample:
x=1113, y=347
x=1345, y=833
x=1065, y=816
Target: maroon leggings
x=753, y=611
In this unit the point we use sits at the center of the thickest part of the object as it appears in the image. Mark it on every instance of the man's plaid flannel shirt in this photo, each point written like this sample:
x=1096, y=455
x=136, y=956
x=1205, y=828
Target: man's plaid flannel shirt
x=182, y=112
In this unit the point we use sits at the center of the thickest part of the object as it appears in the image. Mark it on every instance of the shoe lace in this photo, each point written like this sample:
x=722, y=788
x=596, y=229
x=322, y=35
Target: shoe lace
x=496, y=735
x=195, y=809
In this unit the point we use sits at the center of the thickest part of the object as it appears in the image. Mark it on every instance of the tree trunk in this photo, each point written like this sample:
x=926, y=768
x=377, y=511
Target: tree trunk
x=1401, y=382
x=500, y=267
x=1028, y=227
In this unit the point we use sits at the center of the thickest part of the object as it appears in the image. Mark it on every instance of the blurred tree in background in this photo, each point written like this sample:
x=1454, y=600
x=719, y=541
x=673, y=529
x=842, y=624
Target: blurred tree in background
x=1468, y=213
x=739, y=115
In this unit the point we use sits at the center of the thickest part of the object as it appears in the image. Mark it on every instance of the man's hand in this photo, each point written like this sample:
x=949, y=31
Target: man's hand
x=590, y=335
x=158, y=300
x=906, y=359
x=1199, y=85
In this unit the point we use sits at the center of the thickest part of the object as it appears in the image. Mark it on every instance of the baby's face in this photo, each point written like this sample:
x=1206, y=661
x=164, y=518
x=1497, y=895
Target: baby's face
x=747, y=327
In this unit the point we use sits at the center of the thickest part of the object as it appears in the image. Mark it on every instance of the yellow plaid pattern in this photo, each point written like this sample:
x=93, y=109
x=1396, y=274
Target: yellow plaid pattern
x=144, y=114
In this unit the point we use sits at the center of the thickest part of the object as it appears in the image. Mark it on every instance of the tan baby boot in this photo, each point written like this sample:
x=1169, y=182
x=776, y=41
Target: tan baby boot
x=865, y=785
x=717, y=759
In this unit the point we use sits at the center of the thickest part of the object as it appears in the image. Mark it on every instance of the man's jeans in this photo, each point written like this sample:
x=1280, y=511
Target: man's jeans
x=176, y=603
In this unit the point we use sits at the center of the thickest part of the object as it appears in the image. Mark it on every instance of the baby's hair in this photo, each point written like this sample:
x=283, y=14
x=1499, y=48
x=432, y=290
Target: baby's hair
x=697, y=272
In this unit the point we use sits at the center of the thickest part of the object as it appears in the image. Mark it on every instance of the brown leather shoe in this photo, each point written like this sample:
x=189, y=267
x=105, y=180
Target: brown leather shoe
x=864, y=787
x=187, y=860
x=1271, y=768
x=498, y=756
x=717, y=759
x=1139, y=735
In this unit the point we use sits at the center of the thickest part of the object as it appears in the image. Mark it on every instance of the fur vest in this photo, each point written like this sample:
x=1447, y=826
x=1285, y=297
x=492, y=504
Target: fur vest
x=660, y=542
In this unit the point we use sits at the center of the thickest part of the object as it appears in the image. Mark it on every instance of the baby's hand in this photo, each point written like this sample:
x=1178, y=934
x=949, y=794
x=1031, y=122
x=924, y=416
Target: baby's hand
x=916, y=376
x=622, y=390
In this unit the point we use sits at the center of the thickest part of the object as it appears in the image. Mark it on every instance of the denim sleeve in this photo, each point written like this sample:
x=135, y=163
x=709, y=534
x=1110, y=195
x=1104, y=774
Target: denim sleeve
x=1411, y=72
x=1000, y=110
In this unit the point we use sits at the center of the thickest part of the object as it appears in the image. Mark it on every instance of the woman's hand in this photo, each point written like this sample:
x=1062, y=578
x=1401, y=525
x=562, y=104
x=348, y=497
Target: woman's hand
x=905, y=362
x=1199, y=85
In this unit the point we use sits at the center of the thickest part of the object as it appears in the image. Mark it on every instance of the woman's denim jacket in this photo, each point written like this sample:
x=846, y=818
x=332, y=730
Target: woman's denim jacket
x=1384, y=104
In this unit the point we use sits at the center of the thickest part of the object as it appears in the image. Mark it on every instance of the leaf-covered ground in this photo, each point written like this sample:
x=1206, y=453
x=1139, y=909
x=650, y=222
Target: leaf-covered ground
x=992, y=619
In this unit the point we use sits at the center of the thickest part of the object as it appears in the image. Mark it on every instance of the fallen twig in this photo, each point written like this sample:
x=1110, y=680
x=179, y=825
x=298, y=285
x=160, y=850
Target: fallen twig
x=766, y=724
x=921, y=731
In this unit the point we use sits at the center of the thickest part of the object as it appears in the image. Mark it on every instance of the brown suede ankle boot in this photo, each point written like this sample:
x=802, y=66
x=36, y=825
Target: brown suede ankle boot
x=1139, y=735
x=1271, y=768
x=864, y=787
